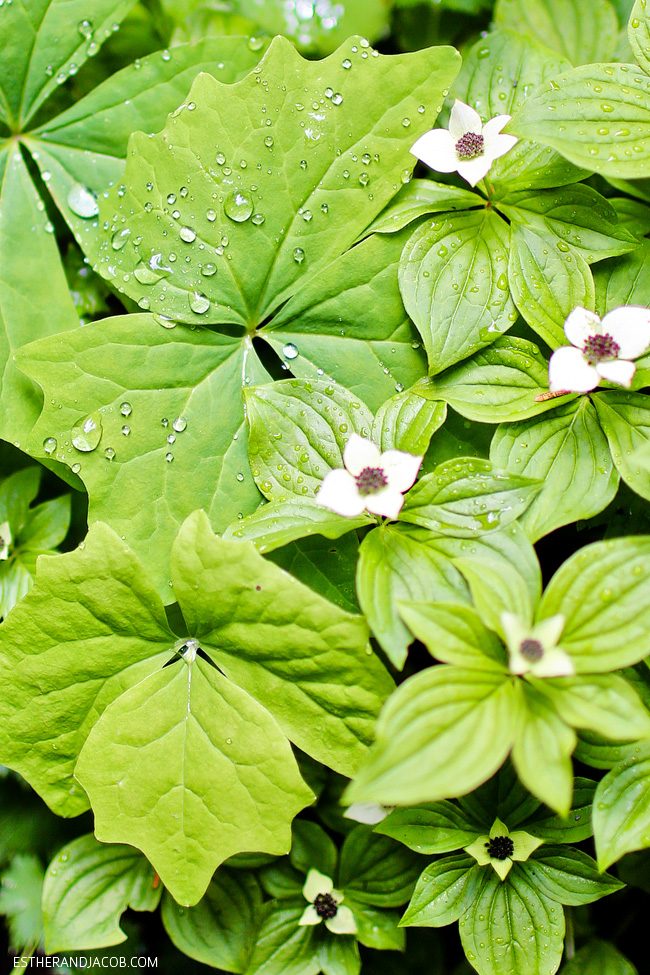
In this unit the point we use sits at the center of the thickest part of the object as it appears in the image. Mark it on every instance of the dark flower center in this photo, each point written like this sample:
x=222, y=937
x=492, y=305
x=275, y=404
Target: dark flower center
x=599, y=347
x=500, y=847
x=470, y=145
x=326, y=906
x=371, y=480
x=531, y=649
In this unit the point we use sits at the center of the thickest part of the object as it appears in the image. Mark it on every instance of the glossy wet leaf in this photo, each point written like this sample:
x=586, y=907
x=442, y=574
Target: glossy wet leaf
x=622, y=808
x=625, y=418
x=562, y=26
x=444, y=892
x=323, y=28
x=569, y=876
x=437, y=827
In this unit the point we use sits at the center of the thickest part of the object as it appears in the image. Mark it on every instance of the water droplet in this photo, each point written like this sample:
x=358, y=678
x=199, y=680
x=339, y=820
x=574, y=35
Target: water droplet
x=208, y=270
x=87, y=433
x=406, y=122
x=49, y=445
x=269, y=141
x=75, y=468
x=238, y=206
x=364, y=179
x=119, y=239
x=126, y=430
x=290, y=351
x=258, y=219
x=171, y=199
x=109, y=453
x=169, y=457
x=199, y=303
x=179, y=424
x=255, y=43
x=298, y=255
x=187, y=234
x=166, y=56
x=82, y=201
x=337, y=98
x=347, y=64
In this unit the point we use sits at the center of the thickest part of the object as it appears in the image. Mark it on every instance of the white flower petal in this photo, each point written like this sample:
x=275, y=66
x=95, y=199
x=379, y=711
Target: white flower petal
x=370, y=813
x=568, y=369
x=400, y=468
x=514, y=630
x=342, y=923
x=517, y=664
x=554, y=663
x=618, y=371
x=629, y=326
x=309, y=916
x=437, y=149
x=473, y=170
x=360, y=453
x=339, y=493
x=580, y=325
x=463, y=118
x=493, y=127
x=497, y=146
x=387, y=502
x=549, y=630
x=317, y=883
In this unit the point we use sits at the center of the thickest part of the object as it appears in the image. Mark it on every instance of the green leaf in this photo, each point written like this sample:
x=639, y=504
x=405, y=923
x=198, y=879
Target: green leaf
x=43, y=43
x=577, y=216
x=339, y=955
x=437, y=827
x=542, y=751
x=604, y=703
x=312, y=847
x=281, y=522
x=293, y=651
x=599, y=958
x=407, y=422
x=624, y=280
x=46, y=525
x=499, y=383
x=221, y=929
x=444, y=892
x=151, y=762
x=297, y=432
x=567, y=452
x=454, y=635
x=378, y=350
x=622, y=808
x=17, y=491
x=625, y=418
x=282, y=947
x=318, y=30
x=453, y=280
x=20, y=902
x=324, y=566
x=466, y=497
x=377, y=928
x=34, y=296
x=561, y=25
x=569, y=876
x=547, y=280
x=511, y=928
x=638, y=32
x=419, y=198
x=261, y=273
x=393, y=565
x=499, y=72
x=153, y=425
x=96, y=596
x=572, y=828
x=632, y=215
x=467, y=716
x=377, y=870
x=88, y=887
x=603, y=593
x=596, y=116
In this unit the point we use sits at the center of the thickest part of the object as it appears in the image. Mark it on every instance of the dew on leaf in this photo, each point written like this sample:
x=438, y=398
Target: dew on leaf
x=179, y=424
x=238, y=206
x=82, y=201
x=258, y=219
x=187, y=234
x=49, y=445
x=120, y=238
x=199, y=303
x=87, y=433
x=298, y=255
x=290, y=351
x=109, y=453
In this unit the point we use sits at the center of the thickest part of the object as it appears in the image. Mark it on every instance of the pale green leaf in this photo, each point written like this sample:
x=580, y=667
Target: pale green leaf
x=437, y=827
x=444, y=892
x=563, y=26
x=604, y=703
x=407, y=422
x=603, y=591
x=419, y=198
x=512, y=929
x=638, y=32
x=20, y=903
x=625, y=418
x=547, y=280
x=622, y=808
x=470, y=717
x=394, y=565
x=567, y=452
x=453, y=280
x=454, y=634
x=542, y=751
x=319, y=29
x=281, y=522
x=88, y=887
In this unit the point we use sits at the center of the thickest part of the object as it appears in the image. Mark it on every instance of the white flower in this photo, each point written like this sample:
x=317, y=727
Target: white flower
x=467, y=147
x=325, y=905
x=501, y=848
x=533, y=650
x=370, y=481
x=599, y=349
x=5, y=540
x=370, y=813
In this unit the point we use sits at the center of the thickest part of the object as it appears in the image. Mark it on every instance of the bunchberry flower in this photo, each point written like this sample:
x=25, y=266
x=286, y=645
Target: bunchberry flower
x=325, y=905
x=502, y=848
x=533, y=650
x=5, y=540
x=370, y=813
x=599, y=349
x=467, y=147
x=370, y=481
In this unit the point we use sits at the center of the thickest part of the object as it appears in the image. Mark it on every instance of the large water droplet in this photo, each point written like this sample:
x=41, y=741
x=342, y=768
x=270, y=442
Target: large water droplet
x=82, y=201
x=290, y=351
x=85, y=28
x=298, y=255
x=179, y=424
x=238, y=206
x=187, y=234
x=199, y=303
x=120, y=238
x=49, y=445
x=87, y=433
